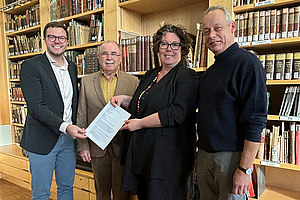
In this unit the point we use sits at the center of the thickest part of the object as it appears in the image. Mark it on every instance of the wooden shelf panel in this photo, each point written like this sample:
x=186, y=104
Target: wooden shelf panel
x=252, y=7
x=276, y=193
x=14, y=80
x=20, y=9
x=86, y=16
x=273, y=117
x=283, y=82
x=32, y=29
x=282, y=165
x=23, y=56
x=277, y=45
x=84, y=46
x=18, y=102
x=17, y=124
x=146, y=6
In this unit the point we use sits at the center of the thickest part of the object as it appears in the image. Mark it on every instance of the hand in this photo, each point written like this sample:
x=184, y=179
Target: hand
x=241, y=182
x=116, y=100
x=85, y=155
x=76, y=132
x=132, y=125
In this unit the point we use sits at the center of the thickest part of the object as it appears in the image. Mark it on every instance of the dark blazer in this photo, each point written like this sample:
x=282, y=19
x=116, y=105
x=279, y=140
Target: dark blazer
x=44, y=103
x=166, y=152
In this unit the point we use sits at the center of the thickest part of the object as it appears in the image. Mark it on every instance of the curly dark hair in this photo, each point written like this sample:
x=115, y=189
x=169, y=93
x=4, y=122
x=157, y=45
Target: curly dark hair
x=179, y=31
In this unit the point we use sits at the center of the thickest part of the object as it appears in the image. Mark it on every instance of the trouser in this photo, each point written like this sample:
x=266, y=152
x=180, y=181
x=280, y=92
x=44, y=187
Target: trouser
x=215, y=175
x=62, y=159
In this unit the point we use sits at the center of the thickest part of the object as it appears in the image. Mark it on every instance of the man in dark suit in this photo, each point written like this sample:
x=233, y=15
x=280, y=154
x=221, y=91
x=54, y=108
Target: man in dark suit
x=96, y=90
x=49, y=86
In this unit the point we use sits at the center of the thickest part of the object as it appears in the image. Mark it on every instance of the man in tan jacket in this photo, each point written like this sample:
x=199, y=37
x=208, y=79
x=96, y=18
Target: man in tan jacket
x=95, y=92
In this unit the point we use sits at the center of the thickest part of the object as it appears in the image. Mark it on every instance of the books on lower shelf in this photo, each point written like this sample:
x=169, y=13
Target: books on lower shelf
x=19, y=113
x=280, y=145
x=281, y=66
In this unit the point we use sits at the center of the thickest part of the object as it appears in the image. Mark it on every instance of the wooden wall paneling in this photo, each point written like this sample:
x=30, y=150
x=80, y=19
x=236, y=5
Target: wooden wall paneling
x=187, y=16
x=131, y=21
x=111, y=20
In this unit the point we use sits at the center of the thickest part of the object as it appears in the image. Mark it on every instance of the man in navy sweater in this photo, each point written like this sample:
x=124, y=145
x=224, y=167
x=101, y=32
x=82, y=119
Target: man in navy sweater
x=232, y=112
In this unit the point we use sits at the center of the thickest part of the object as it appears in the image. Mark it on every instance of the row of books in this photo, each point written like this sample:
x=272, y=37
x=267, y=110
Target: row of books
x=200, y=49
x=280, y=145
x=19, y=113
x=267, y=24
x=281, y=65
x=18, y=22
x=247, y=2
x=12, y=3
x=80, y=33
x=87, y=62
x=21, y=44
x=18, y=132
x=16, y=93
x=137, y=54
x=64, y=8
x=14, y=69
x=290, y=104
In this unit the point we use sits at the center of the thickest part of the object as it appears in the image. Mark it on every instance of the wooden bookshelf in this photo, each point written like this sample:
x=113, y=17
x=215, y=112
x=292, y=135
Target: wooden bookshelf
x=32, y=29
x=22, y=7
x=283, y=82
x=277, y=193
x=23, y=56
x=252, y=7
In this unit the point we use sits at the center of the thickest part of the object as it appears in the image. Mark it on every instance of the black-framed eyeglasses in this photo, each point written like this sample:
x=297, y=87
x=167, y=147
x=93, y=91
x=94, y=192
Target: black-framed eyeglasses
x=61, y=39
x=173, y=45
x=112, y=54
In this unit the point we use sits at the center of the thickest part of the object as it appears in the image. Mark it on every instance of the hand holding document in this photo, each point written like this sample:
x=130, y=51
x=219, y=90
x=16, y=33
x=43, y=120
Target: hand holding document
x=106, y=125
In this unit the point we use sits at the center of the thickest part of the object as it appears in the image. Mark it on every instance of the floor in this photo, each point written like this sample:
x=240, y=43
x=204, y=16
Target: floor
x=10, y=191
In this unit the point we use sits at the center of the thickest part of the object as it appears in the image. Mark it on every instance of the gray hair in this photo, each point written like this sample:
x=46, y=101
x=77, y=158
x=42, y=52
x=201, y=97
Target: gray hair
x=224, y=9
x=109, y=41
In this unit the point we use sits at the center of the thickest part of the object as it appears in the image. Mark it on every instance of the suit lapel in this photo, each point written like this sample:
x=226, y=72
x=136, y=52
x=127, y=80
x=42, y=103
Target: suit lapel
x=120, y=87
x=50, y=71
x=98, y=87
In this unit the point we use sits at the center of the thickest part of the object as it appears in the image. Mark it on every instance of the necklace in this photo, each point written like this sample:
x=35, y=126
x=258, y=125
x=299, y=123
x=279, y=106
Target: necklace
x=140, y=97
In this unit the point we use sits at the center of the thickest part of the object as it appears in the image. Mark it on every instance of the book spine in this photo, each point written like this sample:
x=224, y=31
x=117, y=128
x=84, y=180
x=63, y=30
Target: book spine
x=268, y=25
x=288, y=66
x=250, y=27
x=296, y=65
x=241, y=28
x=292, y=135
x=270, y=60
x=138, y=53
x=262, y=17
x=273, y=25
x=245, y=28
x=262, y=59
x=296, y=21
x=278, y=23
x=297, y=144
x=279, y=66
x=284, y=25
x=147, y=53
x=291, y=21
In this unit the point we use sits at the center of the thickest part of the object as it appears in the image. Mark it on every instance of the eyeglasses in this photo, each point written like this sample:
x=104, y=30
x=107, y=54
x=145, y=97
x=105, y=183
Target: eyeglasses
x=106, y=54
x=173, y=45
x=61, y=39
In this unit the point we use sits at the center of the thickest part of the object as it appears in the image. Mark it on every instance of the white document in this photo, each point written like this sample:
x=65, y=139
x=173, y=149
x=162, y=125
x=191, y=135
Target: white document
x=106, y=125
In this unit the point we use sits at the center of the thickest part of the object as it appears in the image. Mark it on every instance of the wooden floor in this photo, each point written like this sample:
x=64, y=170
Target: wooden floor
x=10, y=191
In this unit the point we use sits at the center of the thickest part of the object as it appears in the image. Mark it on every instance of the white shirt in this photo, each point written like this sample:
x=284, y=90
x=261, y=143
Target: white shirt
x=65, y=85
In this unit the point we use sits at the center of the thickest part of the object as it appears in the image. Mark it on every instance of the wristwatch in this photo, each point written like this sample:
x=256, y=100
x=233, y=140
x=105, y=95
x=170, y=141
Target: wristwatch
x=246, y=171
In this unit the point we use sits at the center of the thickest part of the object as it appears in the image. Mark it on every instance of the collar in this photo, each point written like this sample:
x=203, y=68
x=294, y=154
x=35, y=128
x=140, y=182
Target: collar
x=116, y=74
x=227, y=52
x=55, y=64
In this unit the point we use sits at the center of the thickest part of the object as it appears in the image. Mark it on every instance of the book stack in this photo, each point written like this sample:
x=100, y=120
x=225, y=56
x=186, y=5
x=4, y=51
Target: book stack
x=281, y=145
x=16, y=93
x=96, y=28
x=18, y=131
x=290, y=104
x=78, y=33
x=281, y=66
x=31, y=17
x=21, y=44
x=200, y=49
x=267, y=25
x=19, y=113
